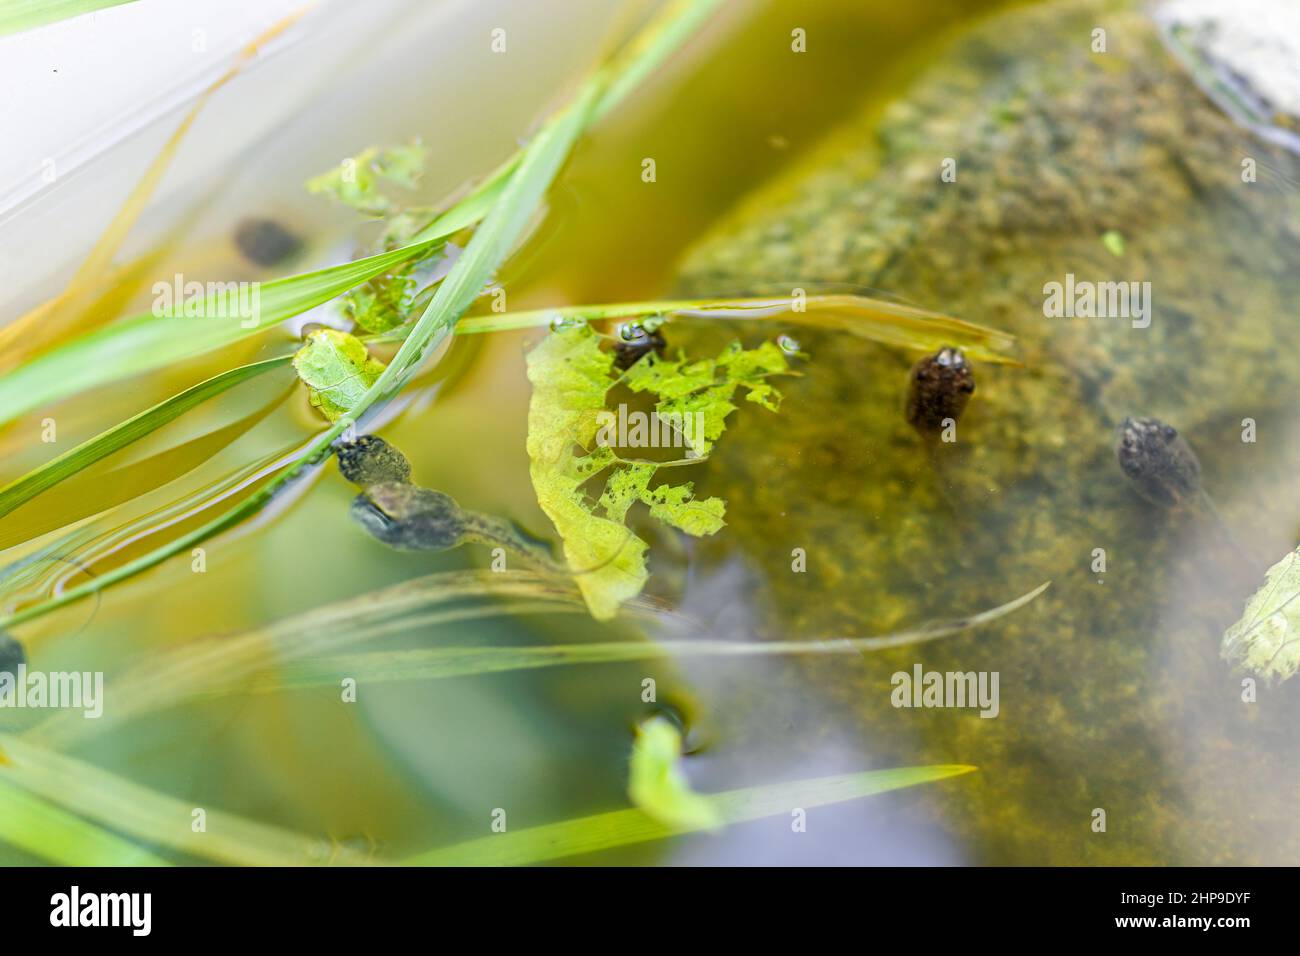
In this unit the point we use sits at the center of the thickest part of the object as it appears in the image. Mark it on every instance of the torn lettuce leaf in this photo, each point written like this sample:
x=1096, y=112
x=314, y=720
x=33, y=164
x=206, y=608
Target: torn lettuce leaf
x=355, y=182
x=1266, y=641
x=571, y=376
x=389, y=299
x=337, y=370
x=657, y=785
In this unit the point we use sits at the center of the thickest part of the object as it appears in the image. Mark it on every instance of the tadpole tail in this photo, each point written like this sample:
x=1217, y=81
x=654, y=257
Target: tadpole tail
x=490, y=530
x=499, y=532
x=1223, y=527
x=939, y=474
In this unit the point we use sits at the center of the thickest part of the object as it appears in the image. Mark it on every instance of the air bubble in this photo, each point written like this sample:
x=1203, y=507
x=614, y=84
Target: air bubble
x=562, y=322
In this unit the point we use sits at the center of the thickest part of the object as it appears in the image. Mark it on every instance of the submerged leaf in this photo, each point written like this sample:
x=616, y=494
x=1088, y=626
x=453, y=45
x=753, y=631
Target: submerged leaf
x=657, y=784
x=570, y=375
x=338, y=370
x=355, y=181
x=568, y=448
x=1266, y=641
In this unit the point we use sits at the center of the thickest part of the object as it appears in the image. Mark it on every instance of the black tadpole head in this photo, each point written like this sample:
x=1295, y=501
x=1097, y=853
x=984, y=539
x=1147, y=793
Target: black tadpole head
x=264, y=242
x=939, y=388
x=11, y=654
x=410, y=518
x=1157, y=461
x=369, y=460
x=634, y=342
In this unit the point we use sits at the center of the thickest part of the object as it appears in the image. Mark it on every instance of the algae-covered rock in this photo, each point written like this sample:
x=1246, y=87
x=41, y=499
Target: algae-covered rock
x=1072, y=167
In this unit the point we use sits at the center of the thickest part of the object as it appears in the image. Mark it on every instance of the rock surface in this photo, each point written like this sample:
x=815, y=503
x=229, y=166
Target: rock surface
x=1107, y=167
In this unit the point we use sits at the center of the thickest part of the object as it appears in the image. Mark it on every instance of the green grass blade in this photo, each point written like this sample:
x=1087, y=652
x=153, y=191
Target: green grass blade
x=222, y=665
x=604, y=831
x=153, y=817
x=19, y=15
x=43, y=829
x=288, y=653
x=145, y=342
x=874, y=319
x=520, y=196
x=435, y=663
x=24, y=489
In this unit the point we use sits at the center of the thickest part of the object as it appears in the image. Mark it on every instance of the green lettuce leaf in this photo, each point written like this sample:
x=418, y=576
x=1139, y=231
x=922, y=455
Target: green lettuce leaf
x=355, y=182
x=657, y=785
x=337, y=369
x=571, y=376
x=1266, y=641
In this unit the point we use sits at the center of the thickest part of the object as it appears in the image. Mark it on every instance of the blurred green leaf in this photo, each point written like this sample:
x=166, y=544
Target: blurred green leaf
x=604, y=831
x=1266, y=641
x=337, y=369
x=657, y=785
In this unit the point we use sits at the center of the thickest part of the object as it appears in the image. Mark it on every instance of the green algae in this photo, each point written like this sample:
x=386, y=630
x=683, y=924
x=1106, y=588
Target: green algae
x=1113, y=696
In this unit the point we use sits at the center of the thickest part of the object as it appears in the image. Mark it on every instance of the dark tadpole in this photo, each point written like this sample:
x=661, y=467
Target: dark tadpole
x=264, y=242
x=11, y=654
x=411, y=518
x=634, y=342
x=939, y=387
x=1159, y=464
x=408, y=517
x=369, y=460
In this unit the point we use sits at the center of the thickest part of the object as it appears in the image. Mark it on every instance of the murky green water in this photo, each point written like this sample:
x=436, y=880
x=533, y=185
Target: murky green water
x=1112, y=696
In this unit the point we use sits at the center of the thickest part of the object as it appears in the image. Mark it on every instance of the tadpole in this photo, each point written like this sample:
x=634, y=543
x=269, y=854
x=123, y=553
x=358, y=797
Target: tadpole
x=11, y=654
x=264, y=242
x=408, y=517
x=1164, y=470
x=1158, y=462
x=938, y=390
x=633, y=342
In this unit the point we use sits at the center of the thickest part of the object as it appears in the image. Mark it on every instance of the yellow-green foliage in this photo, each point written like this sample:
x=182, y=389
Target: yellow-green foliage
x=571, y=375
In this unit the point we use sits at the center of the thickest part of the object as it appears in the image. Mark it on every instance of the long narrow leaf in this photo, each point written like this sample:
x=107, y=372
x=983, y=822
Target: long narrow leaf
x=78, y=302
x=24, y=489
x=19, y=15
x=145, y=342
x=36, y=825
x=520, y=196
x=874, y=319
x=440, y=662
x=154, y=817
x=604, y=831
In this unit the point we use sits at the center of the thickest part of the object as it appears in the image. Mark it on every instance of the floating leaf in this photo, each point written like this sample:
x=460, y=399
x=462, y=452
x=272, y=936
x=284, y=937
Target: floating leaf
x=338, y=370
x=355, y=181
x=571, y=375
x=1266, y=641
x=656, y=783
